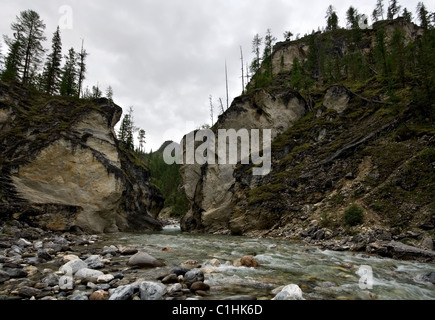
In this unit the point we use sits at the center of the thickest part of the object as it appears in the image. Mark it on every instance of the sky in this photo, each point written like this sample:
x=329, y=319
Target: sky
x=166, y=57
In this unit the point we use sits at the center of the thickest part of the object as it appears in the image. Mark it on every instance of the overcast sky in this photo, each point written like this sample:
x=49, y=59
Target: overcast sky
x=166, y=57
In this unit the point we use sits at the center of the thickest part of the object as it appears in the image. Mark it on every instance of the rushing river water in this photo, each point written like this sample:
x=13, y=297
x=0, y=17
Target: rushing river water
x=322, y=274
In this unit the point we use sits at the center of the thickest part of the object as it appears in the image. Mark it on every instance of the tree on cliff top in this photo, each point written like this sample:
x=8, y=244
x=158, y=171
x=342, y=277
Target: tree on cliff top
x=331, y=19
x=52, y=70
x=26, y=45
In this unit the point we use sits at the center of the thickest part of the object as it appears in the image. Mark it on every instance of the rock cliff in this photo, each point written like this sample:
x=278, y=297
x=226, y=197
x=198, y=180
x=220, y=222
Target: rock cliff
x=62, y=167
x=354, y=143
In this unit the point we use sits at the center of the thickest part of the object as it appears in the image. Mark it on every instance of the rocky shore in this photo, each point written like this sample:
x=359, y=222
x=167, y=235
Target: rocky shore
x=40, y=265
x=44, y=265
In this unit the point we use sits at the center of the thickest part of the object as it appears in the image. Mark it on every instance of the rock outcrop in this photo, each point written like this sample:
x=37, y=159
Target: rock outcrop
x=335, y=146
x=210, y=188
x=63, y=168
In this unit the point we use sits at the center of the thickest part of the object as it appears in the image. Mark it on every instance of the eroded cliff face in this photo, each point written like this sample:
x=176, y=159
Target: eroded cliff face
x=353, y=144
x=210, y=188
x=63, y=168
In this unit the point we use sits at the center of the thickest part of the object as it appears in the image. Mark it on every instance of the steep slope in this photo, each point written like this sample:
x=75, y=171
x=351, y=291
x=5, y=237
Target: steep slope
x=355, y=168
x=62, y=167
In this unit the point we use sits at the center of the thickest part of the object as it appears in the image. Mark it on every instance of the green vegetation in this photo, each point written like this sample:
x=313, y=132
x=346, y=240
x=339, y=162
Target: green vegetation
x=353, y=215
x=168, y=179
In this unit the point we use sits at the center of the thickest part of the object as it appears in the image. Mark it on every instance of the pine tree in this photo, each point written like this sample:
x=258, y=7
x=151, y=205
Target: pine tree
x=141, y=138
x=96, y=92
x=13, y=61
x=28, y=38
x=269, y=41
x=52, y=71
x=288, y=35
x=109, y=94
x=398, y=54
x=423, y=15
x=331, y=19
x=352, y=18
x=81, y=58
x=256, y=43
x=380, y=53
x=127, y=129
x=393, y=9
x=407, y=15
x=68, y=86
x=378, y=13
x=1, y=59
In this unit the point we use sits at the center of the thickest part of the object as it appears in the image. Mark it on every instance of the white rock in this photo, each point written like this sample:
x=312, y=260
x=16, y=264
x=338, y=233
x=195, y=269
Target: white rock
x=24, y=242
x=290, y=292
x=73, y=266
x=105, y=278
x=69, y=257
x=152, y=290
x=66, y=283
x=88, y=275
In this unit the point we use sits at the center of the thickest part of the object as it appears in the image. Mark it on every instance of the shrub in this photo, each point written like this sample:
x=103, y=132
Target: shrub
x=353, y=215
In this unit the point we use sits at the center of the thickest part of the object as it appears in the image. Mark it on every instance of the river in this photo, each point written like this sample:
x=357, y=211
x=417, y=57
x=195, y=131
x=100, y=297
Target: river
x=321, y=274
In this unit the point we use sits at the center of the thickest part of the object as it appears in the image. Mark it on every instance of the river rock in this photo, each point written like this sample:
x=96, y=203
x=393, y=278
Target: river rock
x=151, y=290
x=128, y=251
x=179, y=271
x=16, y=272
x=44, y=255
x=78, y=296
x=122, y=292
x=105, y=278
x=69, y=257
x=66, y=283
x=174, y=290
x=73, y=266
x=28, y=292
x=24, y=243
x=290, y=292
x=50, y=279
x=99, y=295
x=144, y=260
x=429, y=277
x=4, y=276
x=199, y=285
x=110, y=250
x=94, y=262
x=249, y=261
x=170, y=278
x=193, y=275
x=88, y=275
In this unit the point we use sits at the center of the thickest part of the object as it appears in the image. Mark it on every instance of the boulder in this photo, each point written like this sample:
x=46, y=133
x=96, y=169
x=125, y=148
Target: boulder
x=249, y=261
x=73, y=266
x=94, y=262
x=66, y=283
x=151, y=290
x=4, y=276
x=179, y=271
x=193, y=275
x=290, y=292
x=88, y=275
x=105, y=278
x=199, y=285
x=122, y=292
x=144, y=260
x=171, y=278
x=28, y=292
